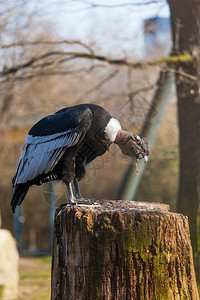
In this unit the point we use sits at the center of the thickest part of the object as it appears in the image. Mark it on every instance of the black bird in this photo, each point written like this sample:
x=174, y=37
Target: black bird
x=60, y=146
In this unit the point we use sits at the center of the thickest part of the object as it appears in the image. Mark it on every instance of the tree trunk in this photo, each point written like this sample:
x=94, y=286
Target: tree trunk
x=122, y=250
x=185, y=20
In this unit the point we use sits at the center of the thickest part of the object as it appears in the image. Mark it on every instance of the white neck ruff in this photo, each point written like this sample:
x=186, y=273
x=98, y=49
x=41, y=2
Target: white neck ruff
x=112, y=129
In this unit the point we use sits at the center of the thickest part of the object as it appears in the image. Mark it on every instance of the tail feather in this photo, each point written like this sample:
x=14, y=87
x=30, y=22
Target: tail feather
x=19, y=193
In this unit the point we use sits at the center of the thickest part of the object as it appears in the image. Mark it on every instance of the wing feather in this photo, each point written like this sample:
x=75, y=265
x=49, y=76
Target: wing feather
x=41, y=154
x=48, y=140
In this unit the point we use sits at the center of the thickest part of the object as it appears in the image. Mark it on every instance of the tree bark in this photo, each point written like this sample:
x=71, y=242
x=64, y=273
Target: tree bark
x=122, y=250
x=185, y=20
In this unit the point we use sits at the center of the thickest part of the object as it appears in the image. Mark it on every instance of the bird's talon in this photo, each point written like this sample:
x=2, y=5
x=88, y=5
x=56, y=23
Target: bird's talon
x=87, y=201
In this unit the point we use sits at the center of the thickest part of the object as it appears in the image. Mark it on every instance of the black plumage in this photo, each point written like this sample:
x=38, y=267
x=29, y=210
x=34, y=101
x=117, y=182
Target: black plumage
x=60, y=146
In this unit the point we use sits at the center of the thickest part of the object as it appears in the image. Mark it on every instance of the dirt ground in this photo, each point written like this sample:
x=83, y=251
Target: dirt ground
x=35, y=278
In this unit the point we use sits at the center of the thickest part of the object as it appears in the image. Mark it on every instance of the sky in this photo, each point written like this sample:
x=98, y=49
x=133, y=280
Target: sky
x=110, y=26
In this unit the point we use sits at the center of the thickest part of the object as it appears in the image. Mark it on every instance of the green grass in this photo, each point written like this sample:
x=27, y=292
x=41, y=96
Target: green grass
x=35, y=278
x=44, y=260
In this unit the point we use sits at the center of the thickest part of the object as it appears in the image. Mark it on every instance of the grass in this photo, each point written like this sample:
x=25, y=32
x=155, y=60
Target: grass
x=35, y=278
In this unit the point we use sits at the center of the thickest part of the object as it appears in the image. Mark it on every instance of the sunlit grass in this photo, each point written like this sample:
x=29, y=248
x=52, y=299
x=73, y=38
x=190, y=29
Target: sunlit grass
x=35, y=278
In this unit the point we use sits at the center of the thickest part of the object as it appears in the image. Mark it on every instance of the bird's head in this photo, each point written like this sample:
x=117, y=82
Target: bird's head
x=132, y=145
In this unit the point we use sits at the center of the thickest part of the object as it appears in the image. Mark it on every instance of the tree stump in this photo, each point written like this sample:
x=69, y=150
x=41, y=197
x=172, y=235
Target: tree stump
x=122, y=250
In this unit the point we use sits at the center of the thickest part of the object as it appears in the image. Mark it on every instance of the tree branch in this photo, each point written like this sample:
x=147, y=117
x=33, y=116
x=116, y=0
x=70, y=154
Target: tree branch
x=35, y=43
x=171, y=59
x=94, y=5
x=98, y=86
x=47, y=74
x=182, y=73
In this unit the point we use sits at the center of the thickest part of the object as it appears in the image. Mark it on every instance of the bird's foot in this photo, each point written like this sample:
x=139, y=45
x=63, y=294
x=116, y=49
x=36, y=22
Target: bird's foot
x=86, y=201
x=72, y=201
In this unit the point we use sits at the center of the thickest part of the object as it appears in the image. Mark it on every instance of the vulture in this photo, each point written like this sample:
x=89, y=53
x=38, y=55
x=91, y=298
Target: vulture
x=61, y=145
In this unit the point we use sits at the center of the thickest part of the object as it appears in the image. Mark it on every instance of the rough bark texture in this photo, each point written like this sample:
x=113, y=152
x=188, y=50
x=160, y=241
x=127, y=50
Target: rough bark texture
x=185, y=20
x=122, y=250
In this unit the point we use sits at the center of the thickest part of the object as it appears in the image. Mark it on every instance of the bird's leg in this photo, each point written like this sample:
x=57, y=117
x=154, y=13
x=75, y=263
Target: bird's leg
x=72, y=199
x=77, y=190
x=79, y=198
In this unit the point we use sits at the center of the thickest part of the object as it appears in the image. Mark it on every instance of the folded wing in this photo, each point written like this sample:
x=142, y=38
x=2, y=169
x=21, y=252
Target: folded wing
x=41, y=153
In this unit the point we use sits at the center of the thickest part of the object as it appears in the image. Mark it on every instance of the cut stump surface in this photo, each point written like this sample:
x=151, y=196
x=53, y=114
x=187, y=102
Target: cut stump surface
x=122, y=250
